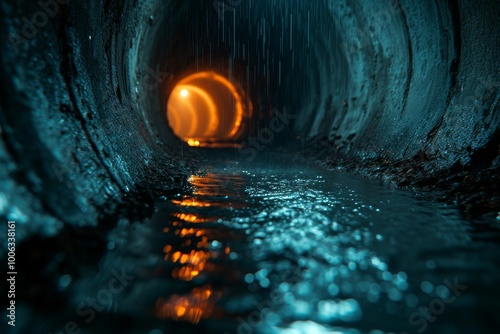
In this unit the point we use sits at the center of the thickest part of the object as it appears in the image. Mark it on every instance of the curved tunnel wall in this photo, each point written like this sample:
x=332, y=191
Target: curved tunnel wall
x=83, y=114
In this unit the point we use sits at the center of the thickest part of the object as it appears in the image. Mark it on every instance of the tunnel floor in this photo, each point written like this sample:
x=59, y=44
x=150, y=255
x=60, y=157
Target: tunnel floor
x=284, y=247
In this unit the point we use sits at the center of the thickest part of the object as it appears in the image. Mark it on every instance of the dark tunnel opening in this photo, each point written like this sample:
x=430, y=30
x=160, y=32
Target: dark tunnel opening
x=202, y=128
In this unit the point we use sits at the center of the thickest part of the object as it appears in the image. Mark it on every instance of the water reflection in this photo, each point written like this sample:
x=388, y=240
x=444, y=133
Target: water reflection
x=192, y=218
x=309, y=252
x=191, y=202
x=197, y=305
x=198, y=249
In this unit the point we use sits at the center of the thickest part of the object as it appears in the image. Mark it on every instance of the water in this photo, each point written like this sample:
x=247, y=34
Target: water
x=290, y=248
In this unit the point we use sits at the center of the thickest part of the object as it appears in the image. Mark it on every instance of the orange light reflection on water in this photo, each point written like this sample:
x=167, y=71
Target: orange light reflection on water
x=197, y=305
x=191, y=202
x=191, y=253
x=191, y=218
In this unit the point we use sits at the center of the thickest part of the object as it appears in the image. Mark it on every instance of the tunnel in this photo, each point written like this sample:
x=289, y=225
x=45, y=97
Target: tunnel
x=250, y=166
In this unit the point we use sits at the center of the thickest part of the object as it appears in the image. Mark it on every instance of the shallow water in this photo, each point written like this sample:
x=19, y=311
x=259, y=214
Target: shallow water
x=288, y=248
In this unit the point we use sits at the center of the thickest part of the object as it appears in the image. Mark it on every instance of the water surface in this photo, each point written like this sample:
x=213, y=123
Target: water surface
x=287, y=248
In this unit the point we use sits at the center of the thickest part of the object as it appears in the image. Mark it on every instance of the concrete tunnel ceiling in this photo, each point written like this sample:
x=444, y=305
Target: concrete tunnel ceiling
x=379, y=79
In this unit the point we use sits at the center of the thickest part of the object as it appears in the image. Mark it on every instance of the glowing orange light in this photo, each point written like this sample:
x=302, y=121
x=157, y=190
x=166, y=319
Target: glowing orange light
x=206, y=108
x=192, y=142
x=195, y=257
x=191, y=218
x=191, y=202
x=198, y=304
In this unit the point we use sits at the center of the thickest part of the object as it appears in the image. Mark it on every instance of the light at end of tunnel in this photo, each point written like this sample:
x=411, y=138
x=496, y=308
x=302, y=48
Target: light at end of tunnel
x=206, y=110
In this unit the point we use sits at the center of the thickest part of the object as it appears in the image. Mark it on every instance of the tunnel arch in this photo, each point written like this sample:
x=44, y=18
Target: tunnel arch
x=385, y=79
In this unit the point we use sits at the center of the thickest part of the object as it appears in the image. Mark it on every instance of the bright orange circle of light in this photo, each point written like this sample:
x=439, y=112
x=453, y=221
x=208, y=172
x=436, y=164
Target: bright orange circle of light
x=205, y=108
